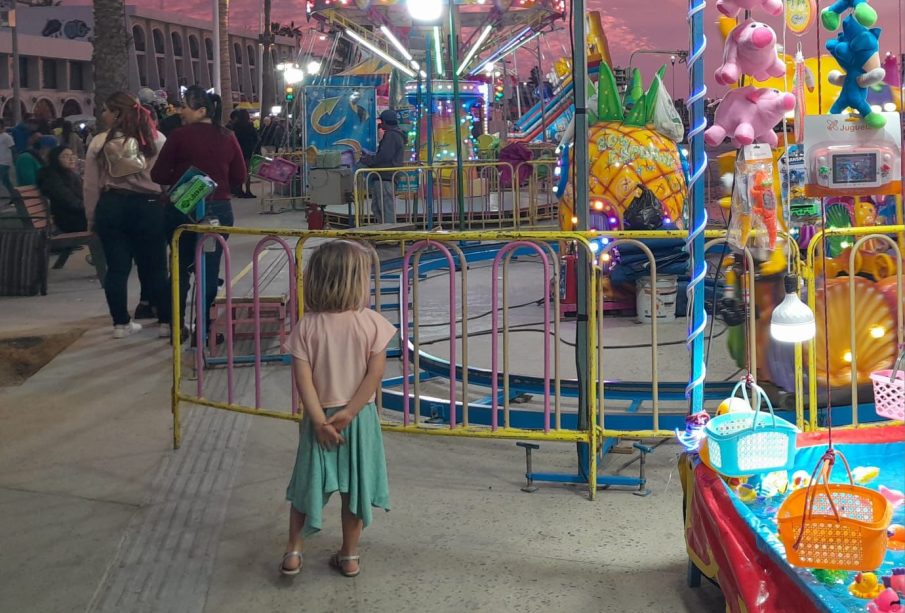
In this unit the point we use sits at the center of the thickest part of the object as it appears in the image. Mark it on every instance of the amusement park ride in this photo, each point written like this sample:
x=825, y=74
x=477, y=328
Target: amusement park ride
x=437, y=55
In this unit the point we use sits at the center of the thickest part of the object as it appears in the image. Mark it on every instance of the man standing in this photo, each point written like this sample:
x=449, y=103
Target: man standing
x=271, y=136
x=7, y=144
x=389, y=154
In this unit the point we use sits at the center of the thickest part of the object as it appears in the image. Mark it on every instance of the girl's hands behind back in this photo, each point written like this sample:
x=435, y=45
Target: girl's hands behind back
x=327, y=436
x=341, y=419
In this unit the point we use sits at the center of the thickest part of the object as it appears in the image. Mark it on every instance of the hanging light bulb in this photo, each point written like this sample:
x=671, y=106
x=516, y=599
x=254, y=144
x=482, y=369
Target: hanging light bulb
x=792, y=320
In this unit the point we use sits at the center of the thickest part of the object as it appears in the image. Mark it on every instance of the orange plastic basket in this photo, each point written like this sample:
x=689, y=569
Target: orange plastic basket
x=834, y=526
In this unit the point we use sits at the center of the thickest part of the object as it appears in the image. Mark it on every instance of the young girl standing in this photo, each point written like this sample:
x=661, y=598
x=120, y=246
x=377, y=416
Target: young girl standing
x=339, y=355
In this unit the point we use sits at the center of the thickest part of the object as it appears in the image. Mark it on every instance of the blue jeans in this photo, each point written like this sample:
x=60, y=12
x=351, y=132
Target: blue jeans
x=221, y=210
x=131, y=229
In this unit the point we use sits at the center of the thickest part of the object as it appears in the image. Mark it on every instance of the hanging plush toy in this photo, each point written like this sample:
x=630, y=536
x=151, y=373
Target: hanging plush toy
x=856, y=49
x=749, y=114
x=750, y=49
x=861, y=10
x=730, y=8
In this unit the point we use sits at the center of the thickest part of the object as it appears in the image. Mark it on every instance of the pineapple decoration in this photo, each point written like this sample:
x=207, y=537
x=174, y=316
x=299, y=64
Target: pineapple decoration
x=625, y=151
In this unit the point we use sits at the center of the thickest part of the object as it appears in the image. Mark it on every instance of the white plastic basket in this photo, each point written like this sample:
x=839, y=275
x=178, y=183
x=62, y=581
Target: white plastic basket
x=889, y=391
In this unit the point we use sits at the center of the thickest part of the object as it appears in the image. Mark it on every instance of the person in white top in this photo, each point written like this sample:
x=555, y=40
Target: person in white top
x=125, y=207
x=7, y=144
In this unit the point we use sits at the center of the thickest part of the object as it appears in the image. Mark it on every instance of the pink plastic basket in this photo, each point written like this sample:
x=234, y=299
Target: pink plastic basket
x=278, y=170
x=889, y=391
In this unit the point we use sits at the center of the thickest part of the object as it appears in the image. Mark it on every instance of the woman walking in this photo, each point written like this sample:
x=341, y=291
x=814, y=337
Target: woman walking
x=126, y=208
x=202, y=142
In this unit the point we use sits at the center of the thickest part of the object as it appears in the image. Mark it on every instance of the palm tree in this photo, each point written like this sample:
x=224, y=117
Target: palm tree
x=110, y=52
x=226, y=82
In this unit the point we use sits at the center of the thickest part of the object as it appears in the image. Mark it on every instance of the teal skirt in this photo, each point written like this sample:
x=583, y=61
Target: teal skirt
x=357, y=468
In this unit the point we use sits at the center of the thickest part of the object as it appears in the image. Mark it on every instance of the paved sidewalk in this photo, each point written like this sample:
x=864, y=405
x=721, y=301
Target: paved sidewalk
x=100, y=514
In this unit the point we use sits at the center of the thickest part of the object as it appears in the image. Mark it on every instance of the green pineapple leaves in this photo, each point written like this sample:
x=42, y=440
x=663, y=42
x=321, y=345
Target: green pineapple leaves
x=609, y=106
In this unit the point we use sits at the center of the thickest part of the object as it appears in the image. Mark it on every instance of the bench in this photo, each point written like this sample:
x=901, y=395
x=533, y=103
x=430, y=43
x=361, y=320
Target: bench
x=273, y=313
x=33, y=208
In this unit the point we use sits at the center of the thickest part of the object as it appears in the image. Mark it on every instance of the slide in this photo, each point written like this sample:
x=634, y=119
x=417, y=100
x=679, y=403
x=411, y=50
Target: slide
x=560, y=107
x=531, y=115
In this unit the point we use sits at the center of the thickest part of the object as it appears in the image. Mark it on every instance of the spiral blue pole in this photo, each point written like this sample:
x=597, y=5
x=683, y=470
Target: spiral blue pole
x=697, y=317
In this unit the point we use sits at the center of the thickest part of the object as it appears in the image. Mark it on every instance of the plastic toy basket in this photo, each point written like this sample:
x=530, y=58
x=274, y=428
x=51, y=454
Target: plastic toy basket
x=889, y=390
x=277, y=170
x=742, y=444
x=834, y=526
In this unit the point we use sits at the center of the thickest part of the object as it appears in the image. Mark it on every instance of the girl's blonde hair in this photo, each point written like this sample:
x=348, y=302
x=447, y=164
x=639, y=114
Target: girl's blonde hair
x=338, y=277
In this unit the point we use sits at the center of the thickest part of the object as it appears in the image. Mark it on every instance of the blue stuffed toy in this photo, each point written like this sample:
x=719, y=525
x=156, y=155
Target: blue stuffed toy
x=856, y=49
x=862, y=11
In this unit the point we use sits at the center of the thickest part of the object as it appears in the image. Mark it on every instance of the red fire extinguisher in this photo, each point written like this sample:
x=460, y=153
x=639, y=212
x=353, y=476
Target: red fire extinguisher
x=315, y=215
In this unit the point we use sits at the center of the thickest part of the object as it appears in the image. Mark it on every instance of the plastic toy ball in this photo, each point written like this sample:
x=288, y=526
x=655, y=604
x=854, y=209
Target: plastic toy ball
x=733, y=405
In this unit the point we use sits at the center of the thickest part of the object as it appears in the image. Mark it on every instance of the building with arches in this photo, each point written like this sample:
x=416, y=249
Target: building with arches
x=166, y=51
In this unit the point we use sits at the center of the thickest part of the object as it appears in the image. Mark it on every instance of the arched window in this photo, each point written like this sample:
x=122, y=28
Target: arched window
x=237, y=51
x=138, y=38
x=71, y=107
x=193, y=46
x=251, y=55
x=209, y=47
x=177, y=44
x=158, y=41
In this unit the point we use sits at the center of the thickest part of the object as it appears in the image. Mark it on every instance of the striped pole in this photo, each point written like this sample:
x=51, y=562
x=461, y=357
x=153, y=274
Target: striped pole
x=697, y=317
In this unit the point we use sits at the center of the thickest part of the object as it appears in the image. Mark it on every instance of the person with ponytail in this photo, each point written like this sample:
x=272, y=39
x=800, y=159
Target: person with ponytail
x=124, y=206
x=205, y=144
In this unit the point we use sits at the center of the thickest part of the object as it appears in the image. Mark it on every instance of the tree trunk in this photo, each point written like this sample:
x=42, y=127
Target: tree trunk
x=226, y=81
x=110, y=54
x=266, y=67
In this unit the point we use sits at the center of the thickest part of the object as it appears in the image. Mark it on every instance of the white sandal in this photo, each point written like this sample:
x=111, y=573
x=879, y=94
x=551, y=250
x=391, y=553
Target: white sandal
x=291, y=572
x=337, y=560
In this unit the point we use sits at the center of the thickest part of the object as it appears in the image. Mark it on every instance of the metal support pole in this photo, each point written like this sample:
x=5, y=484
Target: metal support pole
x=581, y=188
x=17, y=95
x=543, y=101
x=419, y=112
x=457, y=113
x=518, y=83
x=215, y=39
x=429, y=187
x=697, y=322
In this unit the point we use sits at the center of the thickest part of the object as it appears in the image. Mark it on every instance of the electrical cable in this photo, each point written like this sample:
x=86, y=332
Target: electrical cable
x=526, y=328
x=474, y=317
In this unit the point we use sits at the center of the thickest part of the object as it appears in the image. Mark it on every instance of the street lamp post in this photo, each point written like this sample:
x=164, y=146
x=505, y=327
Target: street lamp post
x=215, y=39
x=17, y=94
x=8, y=19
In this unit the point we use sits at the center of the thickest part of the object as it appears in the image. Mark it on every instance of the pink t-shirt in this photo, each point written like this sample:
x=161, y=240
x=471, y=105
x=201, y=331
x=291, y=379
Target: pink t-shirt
x=338, y=346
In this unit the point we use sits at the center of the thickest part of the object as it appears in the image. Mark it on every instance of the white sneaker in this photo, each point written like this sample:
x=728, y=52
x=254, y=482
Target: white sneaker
x=126, y=330
x=163, y=331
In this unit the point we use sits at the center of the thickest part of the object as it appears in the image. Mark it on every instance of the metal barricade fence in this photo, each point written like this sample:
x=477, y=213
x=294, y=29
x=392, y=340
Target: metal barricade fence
x=429, y=195
x=454, y=381
x=855, y=263
x=543, y=202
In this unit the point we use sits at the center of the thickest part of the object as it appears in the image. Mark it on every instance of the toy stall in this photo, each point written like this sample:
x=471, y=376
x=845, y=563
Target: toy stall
x=793, y=487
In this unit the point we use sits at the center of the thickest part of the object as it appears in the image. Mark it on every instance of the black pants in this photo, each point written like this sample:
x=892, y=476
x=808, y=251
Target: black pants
x=132, y=228
x=222, y=211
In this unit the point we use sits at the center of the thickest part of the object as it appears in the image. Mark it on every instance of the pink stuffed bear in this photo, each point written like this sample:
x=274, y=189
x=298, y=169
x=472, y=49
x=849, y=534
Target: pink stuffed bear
x=730, y=8
x=748, y=114
x=750, y=49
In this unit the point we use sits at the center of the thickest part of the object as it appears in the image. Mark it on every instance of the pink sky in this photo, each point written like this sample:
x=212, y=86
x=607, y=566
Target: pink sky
x=630, y=25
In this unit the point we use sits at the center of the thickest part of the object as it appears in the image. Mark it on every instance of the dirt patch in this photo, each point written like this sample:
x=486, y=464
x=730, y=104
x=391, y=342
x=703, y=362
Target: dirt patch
x=23, y=356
